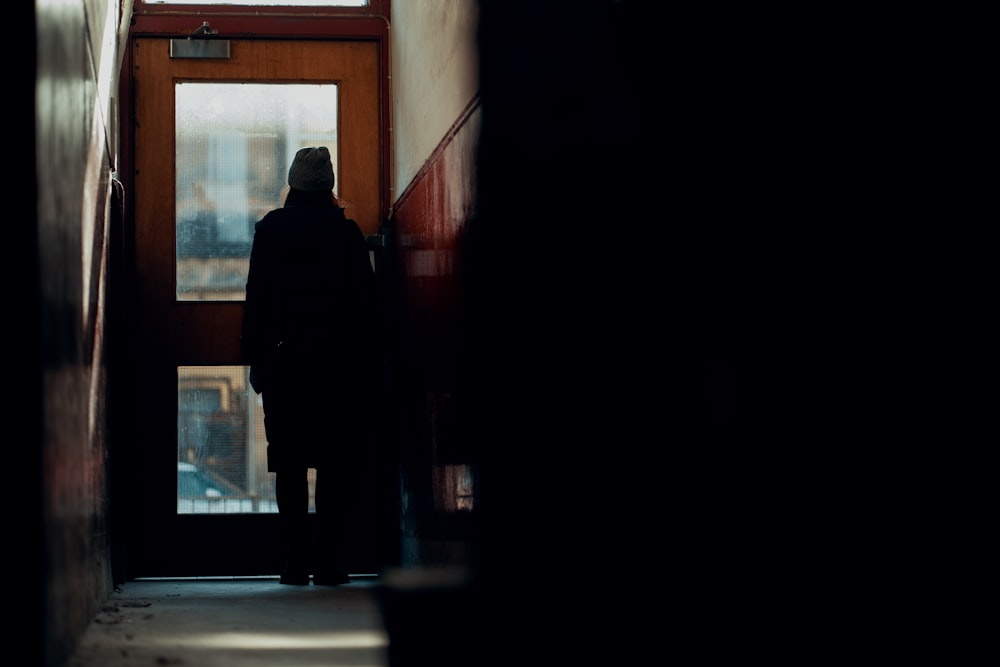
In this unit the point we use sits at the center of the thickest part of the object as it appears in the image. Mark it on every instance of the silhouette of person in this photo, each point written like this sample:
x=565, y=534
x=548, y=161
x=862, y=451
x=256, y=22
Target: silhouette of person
x=307, y=335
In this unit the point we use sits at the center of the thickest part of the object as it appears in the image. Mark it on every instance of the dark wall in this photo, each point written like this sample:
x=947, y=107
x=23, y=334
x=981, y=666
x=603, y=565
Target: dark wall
x=62, y=266
x=741, y=266
x=428, y=347
x=24, y=392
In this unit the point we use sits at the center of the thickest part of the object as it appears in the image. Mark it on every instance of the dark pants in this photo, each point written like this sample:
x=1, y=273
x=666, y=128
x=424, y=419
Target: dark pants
x=291, y=487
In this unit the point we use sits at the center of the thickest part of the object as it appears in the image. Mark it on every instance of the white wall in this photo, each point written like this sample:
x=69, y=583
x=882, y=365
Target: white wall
x=435, y=75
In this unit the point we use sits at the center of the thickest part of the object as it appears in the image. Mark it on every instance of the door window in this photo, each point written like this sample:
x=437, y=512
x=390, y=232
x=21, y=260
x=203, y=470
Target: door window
x=221, y=445
x=233, y=144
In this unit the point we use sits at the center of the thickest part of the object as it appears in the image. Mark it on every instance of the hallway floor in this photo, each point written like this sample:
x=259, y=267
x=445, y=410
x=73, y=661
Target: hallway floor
x=228, y=622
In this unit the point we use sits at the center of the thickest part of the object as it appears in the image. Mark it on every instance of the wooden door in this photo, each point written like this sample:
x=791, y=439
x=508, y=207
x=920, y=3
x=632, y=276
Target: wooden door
x=198, y=187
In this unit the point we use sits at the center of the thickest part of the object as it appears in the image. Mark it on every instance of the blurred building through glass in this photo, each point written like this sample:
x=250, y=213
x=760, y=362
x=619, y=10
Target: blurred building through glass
x=234, y=143
x=221, y=444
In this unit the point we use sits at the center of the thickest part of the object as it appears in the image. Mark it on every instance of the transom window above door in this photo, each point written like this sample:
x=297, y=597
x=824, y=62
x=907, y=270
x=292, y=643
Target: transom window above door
x=264, y=3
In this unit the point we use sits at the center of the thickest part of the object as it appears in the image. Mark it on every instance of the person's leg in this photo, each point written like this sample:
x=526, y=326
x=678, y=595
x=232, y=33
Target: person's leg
x=291, y=490
x=331, y=508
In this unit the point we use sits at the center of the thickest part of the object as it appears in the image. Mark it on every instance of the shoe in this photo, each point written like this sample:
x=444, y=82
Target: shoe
x=331, y=577
x=294, y=574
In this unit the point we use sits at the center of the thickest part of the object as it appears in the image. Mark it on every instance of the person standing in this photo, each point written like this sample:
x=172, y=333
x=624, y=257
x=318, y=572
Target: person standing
x=308, y=336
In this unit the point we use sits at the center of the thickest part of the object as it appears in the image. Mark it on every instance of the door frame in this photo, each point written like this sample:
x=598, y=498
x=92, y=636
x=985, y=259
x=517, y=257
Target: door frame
x=127, y=521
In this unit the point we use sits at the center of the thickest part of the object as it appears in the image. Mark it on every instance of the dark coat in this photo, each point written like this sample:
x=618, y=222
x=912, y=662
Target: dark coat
x=309, y=331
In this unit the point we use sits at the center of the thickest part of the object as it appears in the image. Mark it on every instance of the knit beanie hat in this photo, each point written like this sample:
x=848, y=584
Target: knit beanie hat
x=311, y=170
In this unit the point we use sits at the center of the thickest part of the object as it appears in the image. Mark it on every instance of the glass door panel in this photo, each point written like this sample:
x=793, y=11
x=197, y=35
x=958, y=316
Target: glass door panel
x=221, y=448
x=233, y=144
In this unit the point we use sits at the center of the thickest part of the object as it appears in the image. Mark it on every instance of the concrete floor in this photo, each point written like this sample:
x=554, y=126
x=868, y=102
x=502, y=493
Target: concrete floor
x=230, y=622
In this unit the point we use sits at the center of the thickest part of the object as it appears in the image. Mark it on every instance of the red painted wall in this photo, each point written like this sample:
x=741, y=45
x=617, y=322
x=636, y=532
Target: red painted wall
x=426, y=254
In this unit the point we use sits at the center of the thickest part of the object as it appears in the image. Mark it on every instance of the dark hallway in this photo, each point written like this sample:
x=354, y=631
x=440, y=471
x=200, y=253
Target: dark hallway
x=721, y=351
